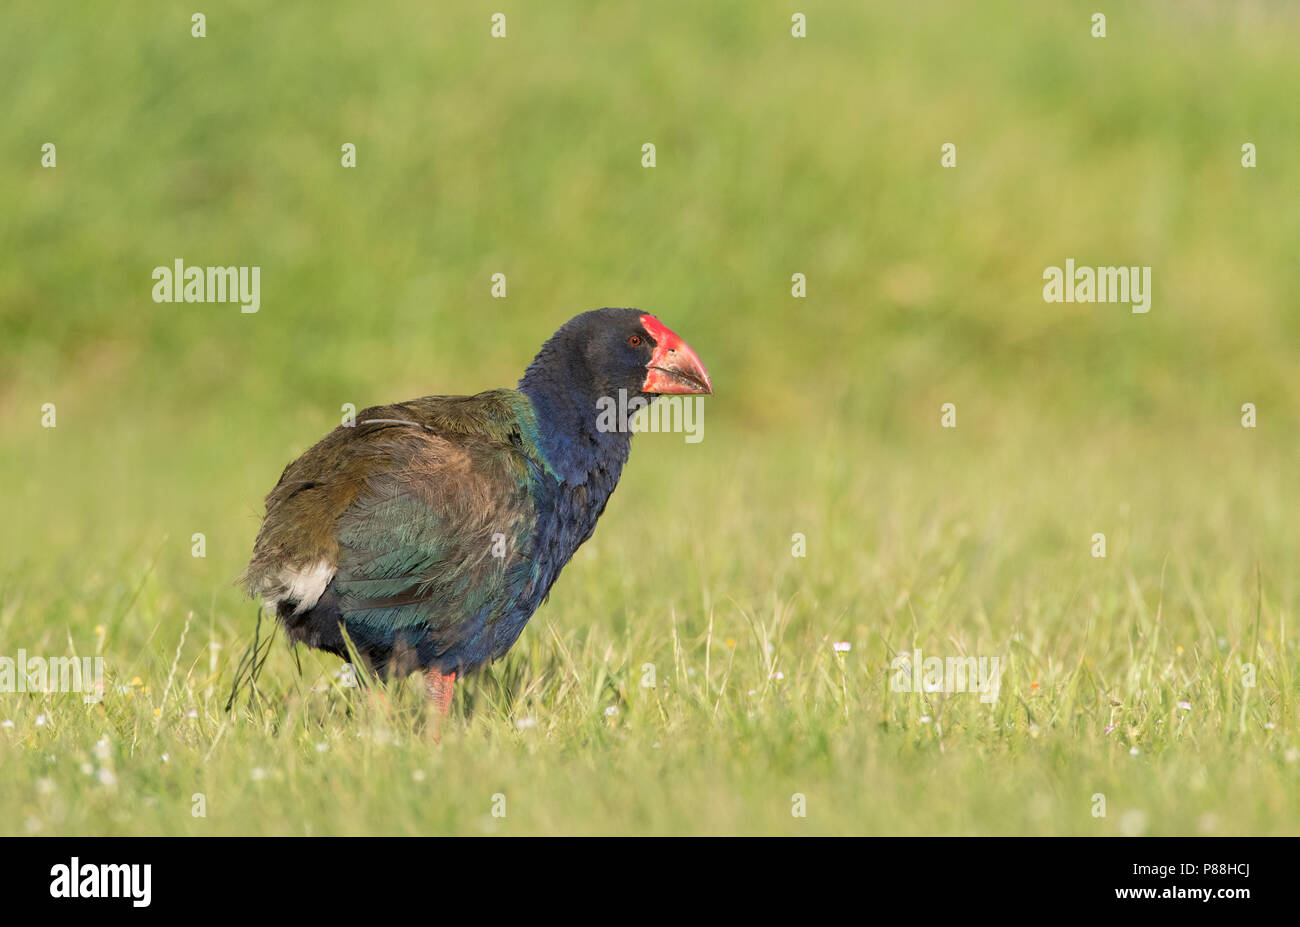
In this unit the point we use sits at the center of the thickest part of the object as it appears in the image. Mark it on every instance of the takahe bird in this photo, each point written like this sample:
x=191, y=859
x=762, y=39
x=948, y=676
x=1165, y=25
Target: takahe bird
x=431, y=530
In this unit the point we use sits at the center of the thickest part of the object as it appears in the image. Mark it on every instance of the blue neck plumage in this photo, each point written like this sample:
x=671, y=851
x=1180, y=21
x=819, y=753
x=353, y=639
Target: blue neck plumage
x=575, y=447
x=587, y=462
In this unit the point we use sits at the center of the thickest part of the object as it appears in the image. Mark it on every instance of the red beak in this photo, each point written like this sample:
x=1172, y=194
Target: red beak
x=674, y=368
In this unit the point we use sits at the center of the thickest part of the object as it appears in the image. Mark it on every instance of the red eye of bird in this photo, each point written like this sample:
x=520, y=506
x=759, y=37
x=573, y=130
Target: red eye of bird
x=634, y=340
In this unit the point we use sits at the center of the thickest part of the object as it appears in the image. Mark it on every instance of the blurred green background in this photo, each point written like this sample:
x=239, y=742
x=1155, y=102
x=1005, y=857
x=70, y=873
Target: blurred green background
x=775, y=156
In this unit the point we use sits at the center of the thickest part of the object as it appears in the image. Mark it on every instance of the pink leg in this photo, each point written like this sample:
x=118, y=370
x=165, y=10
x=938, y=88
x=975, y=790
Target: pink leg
x=440, y=689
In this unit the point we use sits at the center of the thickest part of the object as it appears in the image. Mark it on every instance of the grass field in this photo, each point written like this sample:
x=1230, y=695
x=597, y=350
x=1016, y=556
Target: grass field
x=1125, y=676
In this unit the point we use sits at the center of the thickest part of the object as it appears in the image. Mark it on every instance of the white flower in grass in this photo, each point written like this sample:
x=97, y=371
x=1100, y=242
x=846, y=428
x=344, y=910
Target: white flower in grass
x=106, y=777
x=322, y=747
x=191, y=714
x=842, y=646
x=6, y=723
x=1292, y=754
x=778, y=675
x=87, y=769
x=44, y=786
x=1134, y=751
x=258, y=773
x=1268, y=725
x=524, y=724
x=166, y=757
x=40, y=720
x=1185, y=706
x=101, y=749
x=925, y=719
x=611, y=711
x=417, y=775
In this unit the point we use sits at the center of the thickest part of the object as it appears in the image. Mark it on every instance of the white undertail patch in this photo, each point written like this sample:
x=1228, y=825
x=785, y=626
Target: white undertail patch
x=303, y=584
